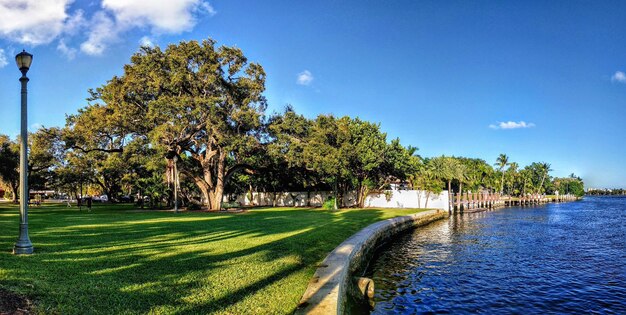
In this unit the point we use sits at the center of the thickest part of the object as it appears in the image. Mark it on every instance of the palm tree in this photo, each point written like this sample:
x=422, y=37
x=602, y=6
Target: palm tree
x=501, y=162
x=460, y=174
x=513, y=166
x=444, y=169
x=545, y=168
x=526, y=177
x=426, y=179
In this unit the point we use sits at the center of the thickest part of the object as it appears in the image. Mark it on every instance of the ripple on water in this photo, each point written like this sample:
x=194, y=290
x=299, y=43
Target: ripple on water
x=557, y=258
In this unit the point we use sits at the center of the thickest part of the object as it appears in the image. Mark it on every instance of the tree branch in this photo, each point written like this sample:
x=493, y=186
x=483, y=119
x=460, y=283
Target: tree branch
x=245, y=167
x=116, y=150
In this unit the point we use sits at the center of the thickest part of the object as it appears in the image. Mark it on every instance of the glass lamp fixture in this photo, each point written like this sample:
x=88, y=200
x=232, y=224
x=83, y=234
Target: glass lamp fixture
x=23, y=60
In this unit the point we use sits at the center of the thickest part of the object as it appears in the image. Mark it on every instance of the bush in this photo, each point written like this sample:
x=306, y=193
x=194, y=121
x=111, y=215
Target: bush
x=230, y=205
x=329, y=204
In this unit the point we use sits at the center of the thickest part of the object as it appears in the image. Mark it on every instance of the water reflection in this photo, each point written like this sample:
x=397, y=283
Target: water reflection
x=559, y=258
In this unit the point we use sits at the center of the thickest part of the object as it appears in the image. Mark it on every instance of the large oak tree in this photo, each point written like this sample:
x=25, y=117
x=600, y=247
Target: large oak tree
x=190, y=99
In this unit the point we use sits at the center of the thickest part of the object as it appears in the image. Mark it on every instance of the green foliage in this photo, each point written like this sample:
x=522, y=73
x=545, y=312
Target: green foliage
x=501, y=162
x=329, y=204
x=154, y=188
x=568, y=185
x=427, y=176
x=192, y=99
x=388, y=195
x=342, y=153
x=230, y=205
x=9, y=163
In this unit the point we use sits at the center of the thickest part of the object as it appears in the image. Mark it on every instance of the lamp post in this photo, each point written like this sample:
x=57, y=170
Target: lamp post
x=23, y=244
x=175, y=183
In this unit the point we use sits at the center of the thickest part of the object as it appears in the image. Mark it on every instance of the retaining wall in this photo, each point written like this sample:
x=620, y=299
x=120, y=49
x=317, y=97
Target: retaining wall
x=333, y=288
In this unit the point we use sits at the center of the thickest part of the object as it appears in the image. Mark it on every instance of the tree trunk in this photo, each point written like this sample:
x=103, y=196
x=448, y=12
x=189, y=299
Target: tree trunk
x=502, y=185
x=362, y=195
x=541, y=185
x=359, y=194
x=449, y=186
x=427, y=197
x=14, y=189
x=216, y=197
x=204, y=189
x=212, y=191
x=274, y=198
x=251, y=195
x=335, y=207
x=214, y=176
x=308, y=198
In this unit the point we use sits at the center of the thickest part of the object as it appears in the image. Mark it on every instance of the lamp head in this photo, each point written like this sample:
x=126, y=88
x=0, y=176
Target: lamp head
x=23, y=61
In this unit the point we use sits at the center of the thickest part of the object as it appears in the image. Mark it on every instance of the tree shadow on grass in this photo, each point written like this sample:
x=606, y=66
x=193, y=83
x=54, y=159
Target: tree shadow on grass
x=116, y=262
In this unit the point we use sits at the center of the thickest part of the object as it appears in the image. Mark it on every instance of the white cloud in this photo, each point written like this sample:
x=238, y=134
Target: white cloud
x=619, y=76
x=38, y=22
x=162, y=16
x=208, y=8
x=146, y=42
x=511, y=125
x=32, y=22
x=102, y=32
x=305, y=77
x=75, y=23
x=3, y=58
x=68, y=52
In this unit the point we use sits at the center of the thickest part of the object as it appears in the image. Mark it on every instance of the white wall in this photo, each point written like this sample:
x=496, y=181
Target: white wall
x=284, y=199
x=397, y=199
x=408, y=199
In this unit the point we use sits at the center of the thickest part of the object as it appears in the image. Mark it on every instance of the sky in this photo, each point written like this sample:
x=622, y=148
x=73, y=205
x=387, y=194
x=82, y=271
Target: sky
x=536, y=80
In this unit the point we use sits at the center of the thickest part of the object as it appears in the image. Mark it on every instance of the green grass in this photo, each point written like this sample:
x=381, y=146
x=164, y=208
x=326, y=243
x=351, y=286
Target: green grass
x=116, y=261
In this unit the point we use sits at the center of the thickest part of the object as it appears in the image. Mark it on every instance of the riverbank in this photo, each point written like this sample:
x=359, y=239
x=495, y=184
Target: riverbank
x=112, y=260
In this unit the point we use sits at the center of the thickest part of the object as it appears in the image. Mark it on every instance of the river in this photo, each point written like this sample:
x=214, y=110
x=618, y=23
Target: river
x=554, y=258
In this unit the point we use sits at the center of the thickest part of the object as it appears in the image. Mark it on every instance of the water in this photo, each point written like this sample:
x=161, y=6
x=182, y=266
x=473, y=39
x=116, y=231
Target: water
x=556, y=258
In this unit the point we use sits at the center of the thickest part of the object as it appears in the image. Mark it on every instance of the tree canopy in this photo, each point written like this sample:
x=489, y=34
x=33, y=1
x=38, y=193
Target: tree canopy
x=203, y=106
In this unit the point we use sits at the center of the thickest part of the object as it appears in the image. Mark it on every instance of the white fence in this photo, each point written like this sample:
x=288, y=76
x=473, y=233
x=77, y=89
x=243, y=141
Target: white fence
x=388, y=199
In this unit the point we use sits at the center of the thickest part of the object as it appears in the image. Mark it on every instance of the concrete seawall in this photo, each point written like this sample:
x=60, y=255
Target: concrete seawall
x=335, y=287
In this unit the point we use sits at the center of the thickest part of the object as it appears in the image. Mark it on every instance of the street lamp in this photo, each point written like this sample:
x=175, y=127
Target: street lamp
x=23, y=244
x=176, y=183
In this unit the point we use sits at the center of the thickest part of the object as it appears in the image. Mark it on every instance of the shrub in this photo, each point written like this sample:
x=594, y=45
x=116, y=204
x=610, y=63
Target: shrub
x=388, y=195
x=329, y=204
x=230, y=205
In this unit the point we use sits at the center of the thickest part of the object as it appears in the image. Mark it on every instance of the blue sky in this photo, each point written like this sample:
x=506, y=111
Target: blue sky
x=539, y=81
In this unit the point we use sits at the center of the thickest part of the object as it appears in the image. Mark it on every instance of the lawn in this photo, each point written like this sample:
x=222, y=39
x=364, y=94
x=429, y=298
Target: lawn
x=115, y=260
